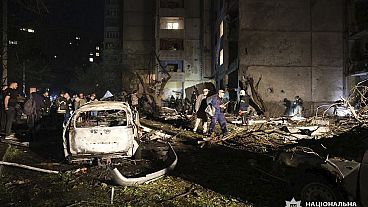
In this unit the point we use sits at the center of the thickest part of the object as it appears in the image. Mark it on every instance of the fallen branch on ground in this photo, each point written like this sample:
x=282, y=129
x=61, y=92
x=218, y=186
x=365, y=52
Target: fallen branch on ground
x=28, y=167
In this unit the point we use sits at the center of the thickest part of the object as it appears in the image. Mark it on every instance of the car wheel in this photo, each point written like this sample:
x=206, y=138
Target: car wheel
x=316, y=188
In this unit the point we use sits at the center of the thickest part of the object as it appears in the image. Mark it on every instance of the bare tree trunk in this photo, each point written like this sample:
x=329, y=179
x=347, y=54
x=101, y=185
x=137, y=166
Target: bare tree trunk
x=255, y=95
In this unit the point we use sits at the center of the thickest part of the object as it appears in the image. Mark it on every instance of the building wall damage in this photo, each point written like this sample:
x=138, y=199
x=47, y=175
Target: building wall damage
x=295, y=46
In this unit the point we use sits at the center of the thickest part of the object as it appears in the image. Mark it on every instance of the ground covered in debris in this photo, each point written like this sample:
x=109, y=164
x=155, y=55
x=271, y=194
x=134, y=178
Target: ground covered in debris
x=234, y=171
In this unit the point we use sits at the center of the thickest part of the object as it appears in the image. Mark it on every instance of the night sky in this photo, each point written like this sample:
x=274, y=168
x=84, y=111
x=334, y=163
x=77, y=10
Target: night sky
x=56, y=27
x=66, y=20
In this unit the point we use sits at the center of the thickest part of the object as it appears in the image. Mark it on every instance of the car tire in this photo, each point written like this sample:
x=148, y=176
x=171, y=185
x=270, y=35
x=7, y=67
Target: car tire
x=318, y=188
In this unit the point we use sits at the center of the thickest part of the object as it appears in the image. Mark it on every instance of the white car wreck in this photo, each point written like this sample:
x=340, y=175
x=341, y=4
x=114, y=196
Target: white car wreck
x=105, y=131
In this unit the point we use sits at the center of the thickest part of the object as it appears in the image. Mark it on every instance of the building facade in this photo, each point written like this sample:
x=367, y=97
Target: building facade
x=176, y=31
x=296, y=48
x=183, y=42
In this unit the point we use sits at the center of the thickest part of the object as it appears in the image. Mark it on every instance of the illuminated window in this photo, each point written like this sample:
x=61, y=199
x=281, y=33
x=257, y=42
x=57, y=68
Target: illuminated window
x=221, y=60
x=13, y=42
x=171, y=23
x=97, y=48
x=91, y=60
x=97, y=54
x=222, y=28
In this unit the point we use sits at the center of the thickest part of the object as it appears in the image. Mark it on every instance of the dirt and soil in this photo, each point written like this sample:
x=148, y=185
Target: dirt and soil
x=236, y=172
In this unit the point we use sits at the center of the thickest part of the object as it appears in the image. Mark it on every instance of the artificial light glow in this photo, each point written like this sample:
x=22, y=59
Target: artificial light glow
x=91, y=59
x=13, y=42
x=70, y=43
x=97, y=54
x=172, y=25
x=55, y=56
x=91, y=54
x=77, y=38
x=30, y=30
x=221, y=29
x=221, y=61
x=97, y=48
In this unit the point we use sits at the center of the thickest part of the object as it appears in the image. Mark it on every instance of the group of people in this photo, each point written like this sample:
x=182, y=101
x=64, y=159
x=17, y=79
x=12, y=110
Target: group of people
x=66, y=104
x=214, y=107
x=38, y=108
x=205, y=104
x=293, y=108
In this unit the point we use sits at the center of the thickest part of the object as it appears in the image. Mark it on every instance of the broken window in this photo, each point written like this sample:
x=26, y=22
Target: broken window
x=173, y=65
x=171, y=23
x=171, y=44
x=105, y=118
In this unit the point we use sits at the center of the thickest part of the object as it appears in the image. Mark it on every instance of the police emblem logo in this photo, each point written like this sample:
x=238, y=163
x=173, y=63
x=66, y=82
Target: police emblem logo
x=293, y=203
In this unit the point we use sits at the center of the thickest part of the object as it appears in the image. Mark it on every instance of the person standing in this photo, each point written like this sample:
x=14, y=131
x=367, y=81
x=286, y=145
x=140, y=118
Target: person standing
x=10, y=103
x=34, y=108
x=92, y=98
x=200, y=109
x=134, y=99
x=244, y=106
x=298, y=106
x=193, y=100
x=79, y=101
x=69, y=107
x=218, y=103
x=3, y=114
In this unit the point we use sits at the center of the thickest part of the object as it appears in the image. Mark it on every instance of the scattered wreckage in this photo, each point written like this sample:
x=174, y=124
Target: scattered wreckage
x=107, y=132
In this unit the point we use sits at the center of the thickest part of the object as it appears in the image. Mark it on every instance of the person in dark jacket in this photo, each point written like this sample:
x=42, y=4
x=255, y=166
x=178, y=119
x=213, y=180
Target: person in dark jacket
x=218, y=103
x=35, y=112
x=10, y=104
x=69, y=108
x=200, y=109
x=244, y=107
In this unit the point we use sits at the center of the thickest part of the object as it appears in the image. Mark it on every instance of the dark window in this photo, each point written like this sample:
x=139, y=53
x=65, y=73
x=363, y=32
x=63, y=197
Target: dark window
x=171, y=44
x=172, y=67
x=112, y=34
x=172, y=4
x=108, y=45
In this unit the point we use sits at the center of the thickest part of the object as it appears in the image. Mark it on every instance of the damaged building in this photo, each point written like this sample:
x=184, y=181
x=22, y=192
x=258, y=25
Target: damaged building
x=292, y=47
x=178, y=32
x=295, y=48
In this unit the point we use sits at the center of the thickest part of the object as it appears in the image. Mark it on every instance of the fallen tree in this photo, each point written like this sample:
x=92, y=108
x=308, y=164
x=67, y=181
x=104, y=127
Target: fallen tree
x=153, y=89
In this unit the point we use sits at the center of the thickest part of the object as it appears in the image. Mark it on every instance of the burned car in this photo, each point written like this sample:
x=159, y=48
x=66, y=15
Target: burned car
x=315, y=178
x=104, y=132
